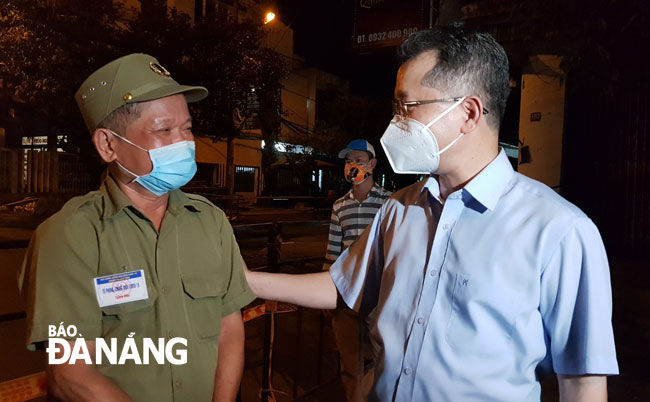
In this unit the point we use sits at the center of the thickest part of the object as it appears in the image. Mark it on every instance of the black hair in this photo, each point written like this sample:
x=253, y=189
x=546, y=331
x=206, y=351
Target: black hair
x=469, y=62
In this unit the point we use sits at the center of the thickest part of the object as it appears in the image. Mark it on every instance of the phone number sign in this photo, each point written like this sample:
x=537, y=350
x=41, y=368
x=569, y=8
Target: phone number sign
x=385, y=23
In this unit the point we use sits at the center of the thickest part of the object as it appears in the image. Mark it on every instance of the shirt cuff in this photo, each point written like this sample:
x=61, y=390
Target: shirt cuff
x=338, y=277
x=233, y=304
x=592, y=365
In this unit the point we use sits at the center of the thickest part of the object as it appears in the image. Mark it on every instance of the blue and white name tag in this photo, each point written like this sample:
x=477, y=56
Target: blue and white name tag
x=121, y=288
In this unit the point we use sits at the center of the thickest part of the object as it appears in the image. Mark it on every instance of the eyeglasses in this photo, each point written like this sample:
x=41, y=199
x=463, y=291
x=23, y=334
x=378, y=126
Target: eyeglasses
x=400, y=108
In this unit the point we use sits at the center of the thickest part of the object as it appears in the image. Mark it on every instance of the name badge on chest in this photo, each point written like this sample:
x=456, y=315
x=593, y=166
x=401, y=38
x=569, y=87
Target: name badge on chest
x=121, y=288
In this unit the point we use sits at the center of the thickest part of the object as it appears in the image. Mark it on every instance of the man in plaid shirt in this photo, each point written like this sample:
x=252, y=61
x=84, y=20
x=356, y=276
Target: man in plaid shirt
x=350, y=216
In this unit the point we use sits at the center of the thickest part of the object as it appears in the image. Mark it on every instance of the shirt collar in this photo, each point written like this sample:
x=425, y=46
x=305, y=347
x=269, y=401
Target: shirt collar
x=116, y=200
x=375, y=188
x=486, y=187
x=179, y=203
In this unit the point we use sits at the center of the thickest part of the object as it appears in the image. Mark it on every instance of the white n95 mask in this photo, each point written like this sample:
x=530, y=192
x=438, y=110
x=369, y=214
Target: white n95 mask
x=411, y=147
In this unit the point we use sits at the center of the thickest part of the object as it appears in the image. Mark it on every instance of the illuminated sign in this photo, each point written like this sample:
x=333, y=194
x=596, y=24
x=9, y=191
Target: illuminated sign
x=38, y=141
x=294, y=149
x=385, y=23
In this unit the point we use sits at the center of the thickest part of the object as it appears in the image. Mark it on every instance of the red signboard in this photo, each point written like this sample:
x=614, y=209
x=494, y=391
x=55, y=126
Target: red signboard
x=385, y=23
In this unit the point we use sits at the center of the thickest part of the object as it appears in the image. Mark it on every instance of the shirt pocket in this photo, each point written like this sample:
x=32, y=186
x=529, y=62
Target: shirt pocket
x=131, y=307
x=482, y=317
x=133, y=317
x=203, y=302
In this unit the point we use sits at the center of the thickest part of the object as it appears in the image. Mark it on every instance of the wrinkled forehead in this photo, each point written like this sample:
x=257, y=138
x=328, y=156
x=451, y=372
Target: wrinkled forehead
x=167, y=110
x=412, y=72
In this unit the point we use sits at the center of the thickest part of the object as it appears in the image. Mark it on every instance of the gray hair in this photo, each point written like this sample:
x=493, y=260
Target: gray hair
x=469, y=63
x=120, y=118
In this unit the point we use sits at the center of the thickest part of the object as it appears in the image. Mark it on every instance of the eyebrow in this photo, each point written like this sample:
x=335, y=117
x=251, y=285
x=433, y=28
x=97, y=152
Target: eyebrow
x=402, y=95
x=162, y=121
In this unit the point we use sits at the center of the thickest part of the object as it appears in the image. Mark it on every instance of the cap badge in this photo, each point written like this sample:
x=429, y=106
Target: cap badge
x=158, y=69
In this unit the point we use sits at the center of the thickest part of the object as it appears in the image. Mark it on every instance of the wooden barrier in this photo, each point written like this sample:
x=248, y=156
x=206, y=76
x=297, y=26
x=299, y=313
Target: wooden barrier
x=23, y=388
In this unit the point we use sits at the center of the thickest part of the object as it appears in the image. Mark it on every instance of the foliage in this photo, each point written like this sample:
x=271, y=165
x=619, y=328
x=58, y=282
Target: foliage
x=342, y=118
x=48, y=51
x=597, y=39
x=223, y=55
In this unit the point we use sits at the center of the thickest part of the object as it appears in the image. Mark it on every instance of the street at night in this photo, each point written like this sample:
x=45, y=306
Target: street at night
x=309, y=200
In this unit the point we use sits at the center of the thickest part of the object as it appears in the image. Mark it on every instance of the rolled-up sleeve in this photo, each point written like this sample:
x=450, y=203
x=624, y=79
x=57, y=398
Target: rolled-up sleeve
x=576, y=303
x=357, y=272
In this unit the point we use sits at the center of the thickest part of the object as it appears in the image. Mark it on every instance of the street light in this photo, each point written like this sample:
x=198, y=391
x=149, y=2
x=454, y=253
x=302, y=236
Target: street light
x=270, y=16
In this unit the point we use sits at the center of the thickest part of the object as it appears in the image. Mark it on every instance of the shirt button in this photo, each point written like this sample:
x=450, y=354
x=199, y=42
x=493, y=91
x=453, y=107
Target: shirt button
x=165, y=289
x=445, y=226
x=408, y=371
x=171, y=334
x=178, y=383
x=433, y=272
x=421, y=320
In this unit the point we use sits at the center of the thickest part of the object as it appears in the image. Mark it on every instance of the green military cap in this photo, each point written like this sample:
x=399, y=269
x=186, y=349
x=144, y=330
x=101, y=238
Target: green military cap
x=134, y=78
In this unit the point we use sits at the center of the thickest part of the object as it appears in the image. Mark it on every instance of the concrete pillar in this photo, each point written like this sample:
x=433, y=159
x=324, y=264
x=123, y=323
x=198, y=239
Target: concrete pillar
x=541, y=120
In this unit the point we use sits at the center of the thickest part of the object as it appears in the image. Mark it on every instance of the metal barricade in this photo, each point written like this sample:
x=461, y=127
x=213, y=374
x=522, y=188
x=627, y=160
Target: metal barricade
x=275, y=264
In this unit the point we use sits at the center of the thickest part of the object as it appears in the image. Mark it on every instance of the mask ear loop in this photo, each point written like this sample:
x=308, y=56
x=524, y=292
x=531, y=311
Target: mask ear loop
x=127, y=141
x=443, y=114
x=135, y=176
x=452, y=107
x=450, y=144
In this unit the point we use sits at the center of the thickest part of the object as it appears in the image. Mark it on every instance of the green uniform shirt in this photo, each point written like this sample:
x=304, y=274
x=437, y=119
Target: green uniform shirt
x=193, y=274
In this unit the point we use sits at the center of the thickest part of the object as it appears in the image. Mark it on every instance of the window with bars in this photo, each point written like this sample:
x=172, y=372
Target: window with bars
x=245, y=179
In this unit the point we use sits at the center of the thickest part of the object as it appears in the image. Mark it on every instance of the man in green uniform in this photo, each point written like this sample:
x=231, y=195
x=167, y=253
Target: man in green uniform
x=139, y=259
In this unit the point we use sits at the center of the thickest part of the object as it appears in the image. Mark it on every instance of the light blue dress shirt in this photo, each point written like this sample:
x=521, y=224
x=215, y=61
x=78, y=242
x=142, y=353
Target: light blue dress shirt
x=478, y=294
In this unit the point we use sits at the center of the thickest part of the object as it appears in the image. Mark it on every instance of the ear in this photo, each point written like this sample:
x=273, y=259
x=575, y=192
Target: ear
x=104, y=144
x=473, y=109
x=373, y=163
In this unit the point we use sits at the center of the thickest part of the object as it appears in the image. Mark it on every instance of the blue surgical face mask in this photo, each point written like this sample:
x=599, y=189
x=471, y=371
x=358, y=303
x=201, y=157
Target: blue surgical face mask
x=173, y=166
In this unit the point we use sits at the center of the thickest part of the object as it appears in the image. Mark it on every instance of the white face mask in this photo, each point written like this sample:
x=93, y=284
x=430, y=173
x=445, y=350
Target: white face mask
x=411, y=147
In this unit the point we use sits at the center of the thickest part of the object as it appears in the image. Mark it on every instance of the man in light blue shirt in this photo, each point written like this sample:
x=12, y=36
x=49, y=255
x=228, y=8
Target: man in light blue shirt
x=482, y=278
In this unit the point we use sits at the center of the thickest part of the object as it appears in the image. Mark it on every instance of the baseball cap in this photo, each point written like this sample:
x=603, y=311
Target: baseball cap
x=357, y=145
x=134, y=78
